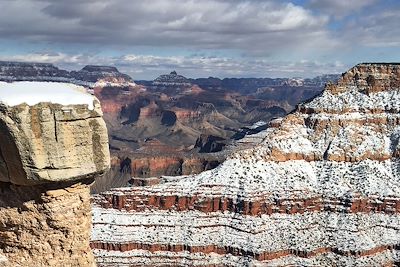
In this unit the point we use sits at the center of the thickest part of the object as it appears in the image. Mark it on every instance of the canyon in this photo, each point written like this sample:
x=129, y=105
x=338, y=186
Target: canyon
x=317, y=187
x=174, y=125
x=321, y=188
x=190, y=122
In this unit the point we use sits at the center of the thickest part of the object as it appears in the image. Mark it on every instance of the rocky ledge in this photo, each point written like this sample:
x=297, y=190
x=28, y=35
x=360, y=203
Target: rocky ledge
x=322, y=189
x=53, y=145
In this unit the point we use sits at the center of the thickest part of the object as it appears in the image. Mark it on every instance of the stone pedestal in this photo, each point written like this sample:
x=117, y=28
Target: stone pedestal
x=50, y=153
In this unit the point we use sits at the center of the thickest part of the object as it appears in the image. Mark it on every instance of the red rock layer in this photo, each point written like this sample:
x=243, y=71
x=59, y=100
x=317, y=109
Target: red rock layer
x=114, y=99
x=185, y=114
x=363, y=76
x=253, y=208
x=263, y=256
x=142, y=165
x=110, y=106
x=152, y=110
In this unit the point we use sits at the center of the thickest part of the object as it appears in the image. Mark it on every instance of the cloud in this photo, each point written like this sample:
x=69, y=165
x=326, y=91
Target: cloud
x=252, y=27
x=214, y=37
x=340, y=8
x=378, y=30
x=45, y=58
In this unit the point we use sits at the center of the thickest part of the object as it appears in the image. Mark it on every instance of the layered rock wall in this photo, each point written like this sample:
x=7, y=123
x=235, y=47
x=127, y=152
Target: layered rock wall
x=321, y=189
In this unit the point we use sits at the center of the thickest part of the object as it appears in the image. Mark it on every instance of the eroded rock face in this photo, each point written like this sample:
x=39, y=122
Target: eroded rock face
x=103, y=76
x=50, y=153
x=321, y=189
x=51, y=142
x=172, y=79
x=371, y=78
x=45, y=225
x=156, y=166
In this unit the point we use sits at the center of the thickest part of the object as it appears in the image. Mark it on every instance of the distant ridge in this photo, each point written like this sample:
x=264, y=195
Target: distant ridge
x=87, y=76
x=90, y=74
x=379, y=63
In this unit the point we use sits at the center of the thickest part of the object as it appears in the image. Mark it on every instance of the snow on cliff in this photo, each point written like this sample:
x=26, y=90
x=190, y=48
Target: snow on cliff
x=32, y=93
x=322, y=188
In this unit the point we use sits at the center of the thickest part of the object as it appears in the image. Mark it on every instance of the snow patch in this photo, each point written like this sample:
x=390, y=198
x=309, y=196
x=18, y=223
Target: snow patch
x=33, y=93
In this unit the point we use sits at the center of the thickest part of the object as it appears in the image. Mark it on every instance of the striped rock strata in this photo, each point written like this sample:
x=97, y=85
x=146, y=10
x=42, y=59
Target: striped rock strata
x=53, y=144
x=322, y=189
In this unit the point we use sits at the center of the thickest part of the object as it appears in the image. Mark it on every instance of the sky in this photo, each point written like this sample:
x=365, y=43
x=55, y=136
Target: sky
x=203, y=38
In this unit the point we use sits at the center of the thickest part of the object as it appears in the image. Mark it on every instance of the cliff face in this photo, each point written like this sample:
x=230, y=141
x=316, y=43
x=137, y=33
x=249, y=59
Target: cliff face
x=156, y=166
x=51, y=150
x=322, y=189
x=45, y=225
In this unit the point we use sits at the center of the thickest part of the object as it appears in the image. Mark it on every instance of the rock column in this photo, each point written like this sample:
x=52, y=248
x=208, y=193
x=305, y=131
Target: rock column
x=50, y=154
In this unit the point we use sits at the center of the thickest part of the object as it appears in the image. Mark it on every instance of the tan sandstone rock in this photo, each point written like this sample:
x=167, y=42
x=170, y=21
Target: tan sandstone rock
x=50, y=152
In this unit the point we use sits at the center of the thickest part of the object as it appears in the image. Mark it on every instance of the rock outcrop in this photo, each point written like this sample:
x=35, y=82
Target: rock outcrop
x=172, y=165
x=101, y=76
x=21, y=71
x=322, y=189
x=172, y=79
x=53, y=144
x=249, y=85
x=90, y=76
x=209, y=143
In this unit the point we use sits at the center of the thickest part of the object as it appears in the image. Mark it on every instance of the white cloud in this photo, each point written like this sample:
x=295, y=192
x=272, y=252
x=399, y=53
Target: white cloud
x=377, y=30
x=249, y=37
x=44, y=58
x=253, y=27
